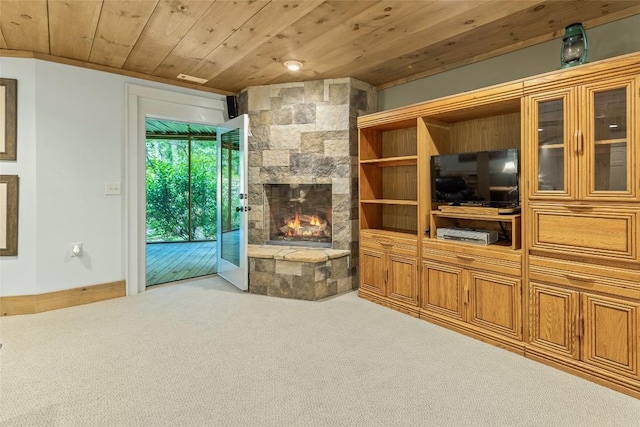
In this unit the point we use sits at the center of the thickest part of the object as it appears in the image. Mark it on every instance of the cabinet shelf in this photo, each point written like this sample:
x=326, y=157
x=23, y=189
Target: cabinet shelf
x=391, y=161
x=389, y=233
x=611, y=141
x=506, y=225
x=477, y=217
x=505, y=246
x=390, y=202
x=550, y=146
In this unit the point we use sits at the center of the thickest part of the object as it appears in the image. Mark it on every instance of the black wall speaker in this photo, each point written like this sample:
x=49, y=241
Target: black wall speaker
x=232, y=106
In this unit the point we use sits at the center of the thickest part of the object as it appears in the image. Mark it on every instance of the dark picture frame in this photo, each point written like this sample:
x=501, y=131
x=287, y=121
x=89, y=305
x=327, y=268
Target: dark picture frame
x=9, y=215
x=9, y=118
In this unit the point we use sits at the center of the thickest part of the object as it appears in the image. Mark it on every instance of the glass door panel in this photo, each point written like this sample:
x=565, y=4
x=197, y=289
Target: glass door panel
x=551, y=168
x=553, y=160
x=610, y=167
x=232, y=217
x=608, y=157
x=230, y=197
x=551, y=145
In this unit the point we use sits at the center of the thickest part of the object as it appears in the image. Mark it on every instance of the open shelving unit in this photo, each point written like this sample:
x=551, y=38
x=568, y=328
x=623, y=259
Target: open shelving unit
x=388, y=178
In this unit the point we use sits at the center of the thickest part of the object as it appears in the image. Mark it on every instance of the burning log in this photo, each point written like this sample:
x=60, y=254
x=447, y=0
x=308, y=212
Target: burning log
x=306, y=225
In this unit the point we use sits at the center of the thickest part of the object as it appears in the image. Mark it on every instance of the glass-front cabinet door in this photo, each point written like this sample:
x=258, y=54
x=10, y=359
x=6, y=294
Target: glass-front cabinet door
x=582, y=142
x=607, y=144
x=551, y=161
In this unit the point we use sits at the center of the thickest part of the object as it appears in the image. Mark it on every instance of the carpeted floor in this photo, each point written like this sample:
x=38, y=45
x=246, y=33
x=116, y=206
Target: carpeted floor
x=200, y=353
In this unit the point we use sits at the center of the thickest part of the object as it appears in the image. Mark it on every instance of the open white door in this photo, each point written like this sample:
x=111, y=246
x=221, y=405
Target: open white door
x=232, y=203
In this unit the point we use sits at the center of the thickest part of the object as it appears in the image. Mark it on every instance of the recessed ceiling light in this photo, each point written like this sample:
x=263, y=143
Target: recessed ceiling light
x=192, y=79
x=293, y=65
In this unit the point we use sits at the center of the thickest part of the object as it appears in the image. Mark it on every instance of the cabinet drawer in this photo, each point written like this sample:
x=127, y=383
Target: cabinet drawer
x=585, y=231
x=581, y=277
x=399, y=245
x=507, y=265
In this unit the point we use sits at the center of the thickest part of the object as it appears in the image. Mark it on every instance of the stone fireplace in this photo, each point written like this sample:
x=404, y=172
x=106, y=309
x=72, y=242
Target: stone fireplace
x=299, y=214
x=303, y=185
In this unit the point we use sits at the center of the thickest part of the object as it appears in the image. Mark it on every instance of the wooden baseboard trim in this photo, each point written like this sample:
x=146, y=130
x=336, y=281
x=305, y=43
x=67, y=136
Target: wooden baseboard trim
x=30, y=304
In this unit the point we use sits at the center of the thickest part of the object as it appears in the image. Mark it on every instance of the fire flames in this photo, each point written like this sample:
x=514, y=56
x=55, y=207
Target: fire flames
x=305, y=225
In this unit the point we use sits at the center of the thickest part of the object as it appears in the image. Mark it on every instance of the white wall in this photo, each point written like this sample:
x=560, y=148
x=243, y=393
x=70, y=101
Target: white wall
x=605, y=41
x=71, y=141
x=18, y=274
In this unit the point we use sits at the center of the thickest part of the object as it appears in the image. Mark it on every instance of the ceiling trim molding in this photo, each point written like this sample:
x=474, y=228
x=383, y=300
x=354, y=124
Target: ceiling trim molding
x=73, y=62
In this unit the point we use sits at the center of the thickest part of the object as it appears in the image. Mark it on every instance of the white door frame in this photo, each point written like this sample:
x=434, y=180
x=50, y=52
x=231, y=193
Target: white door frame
x=143, y=101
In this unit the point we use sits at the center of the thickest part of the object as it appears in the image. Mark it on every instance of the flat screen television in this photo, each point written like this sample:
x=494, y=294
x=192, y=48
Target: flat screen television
x=483, y=178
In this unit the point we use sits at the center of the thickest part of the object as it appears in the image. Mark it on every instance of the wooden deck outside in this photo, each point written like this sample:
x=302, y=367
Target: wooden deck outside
x=169, y=262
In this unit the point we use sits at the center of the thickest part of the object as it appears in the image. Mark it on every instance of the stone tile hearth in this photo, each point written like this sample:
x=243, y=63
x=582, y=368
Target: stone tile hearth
x=295, y=272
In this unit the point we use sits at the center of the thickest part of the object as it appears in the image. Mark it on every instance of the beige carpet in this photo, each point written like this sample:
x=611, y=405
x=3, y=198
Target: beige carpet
x=200, y=353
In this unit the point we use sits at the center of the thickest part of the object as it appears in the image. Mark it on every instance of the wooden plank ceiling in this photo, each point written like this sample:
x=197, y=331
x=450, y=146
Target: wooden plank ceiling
x=241, y=43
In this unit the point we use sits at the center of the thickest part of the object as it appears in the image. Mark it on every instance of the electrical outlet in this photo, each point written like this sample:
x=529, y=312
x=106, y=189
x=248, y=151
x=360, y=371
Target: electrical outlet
x=112, y=188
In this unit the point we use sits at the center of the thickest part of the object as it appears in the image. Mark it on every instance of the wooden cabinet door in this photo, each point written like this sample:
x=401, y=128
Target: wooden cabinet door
x=495, y=303
x=550, y=161
x=372, y=271
x=402, y=280
x=610, y=336
x=553, y=319
x=442, y=290
x=608, y=133
x=591, y=232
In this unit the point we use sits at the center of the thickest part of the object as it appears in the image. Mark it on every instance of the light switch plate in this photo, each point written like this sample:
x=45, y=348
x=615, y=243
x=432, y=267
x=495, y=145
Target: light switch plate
x=112, y=188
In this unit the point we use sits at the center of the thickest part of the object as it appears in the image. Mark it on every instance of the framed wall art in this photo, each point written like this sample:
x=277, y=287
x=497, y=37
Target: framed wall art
x=8, y=215
x=8, y=118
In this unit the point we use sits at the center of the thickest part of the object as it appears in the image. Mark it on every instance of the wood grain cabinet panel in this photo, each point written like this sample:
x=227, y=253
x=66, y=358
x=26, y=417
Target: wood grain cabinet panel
x=402, y=281
x=443, y=291
x=495, y=303
x=599, y=233
x=553, y=319
x=372, y=271
x=611, y=334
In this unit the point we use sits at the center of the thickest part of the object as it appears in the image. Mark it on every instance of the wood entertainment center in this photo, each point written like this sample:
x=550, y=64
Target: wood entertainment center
x=562, y=286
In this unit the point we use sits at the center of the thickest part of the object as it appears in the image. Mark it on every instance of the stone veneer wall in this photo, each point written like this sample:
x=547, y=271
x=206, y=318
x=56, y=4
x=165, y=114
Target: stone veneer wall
x=306, y=133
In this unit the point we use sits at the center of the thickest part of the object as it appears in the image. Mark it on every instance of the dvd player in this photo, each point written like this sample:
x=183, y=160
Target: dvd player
x=468, y=235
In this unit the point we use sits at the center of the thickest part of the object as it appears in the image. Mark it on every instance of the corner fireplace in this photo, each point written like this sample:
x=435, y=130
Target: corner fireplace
x=299, y=214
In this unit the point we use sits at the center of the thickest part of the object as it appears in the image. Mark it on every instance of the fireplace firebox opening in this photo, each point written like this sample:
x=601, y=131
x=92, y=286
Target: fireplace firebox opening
x=299, y=214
